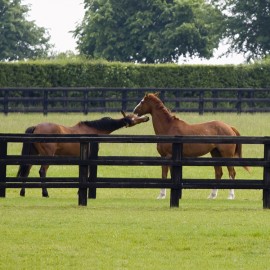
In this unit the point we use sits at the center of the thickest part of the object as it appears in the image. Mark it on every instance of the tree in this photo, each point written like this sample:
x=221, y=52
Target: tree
x=19, y=38
x=247, y=26
x=150, y=31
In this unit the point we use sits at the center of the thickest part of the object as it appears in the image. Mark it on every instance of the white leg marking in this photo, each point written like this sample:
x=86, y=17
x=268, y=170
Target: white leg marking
x=231, y=195
x=162, y=194
x=213, y=194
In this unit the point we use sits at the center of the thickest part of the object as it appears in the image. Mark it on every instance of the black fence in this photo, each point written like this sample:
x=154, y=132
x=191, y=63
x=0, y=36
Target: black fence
x=85, y=100
x=89, y=161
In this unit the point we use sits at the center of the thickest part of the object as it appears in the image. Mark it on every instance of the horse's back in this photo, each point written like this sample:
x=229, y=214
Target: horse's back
x=219, y=128
x=51, y=128
x=211, y=128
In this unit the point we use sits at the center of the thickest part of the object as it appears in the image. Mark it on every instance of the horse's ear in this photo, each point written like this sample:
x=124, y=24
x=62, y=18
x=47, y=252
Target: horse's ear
x=157, y=94
x=123, y=113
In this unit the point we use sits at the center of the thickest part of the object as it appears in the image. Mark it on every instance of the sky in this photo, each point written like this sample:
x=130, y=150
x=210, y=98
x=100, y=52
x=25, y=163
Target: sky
x=61, y=16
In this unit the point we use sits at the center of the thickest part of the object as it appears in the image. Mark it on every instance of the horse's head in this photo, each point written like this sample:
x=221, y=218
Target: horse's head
x=133, y=119
x=144, y=106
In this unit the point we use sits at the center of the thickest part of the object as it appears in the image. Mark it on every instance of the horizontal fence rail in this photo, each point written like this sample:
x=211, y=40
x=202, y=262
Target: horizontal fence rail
x=86, y=100
x=88, y=162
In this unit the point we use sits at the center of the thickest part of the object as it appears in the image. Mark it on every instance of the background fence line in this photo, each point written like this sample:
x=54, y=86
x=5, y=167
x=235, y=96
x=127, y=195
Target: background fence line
x=86, y=100
x=89, y=160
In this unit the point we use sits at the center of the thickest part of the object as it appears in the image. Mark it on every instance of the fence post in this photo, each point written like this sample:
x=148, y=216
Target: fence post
x=266, y=177
x=162, y=95
x=45, y=102
x=239, y=102
x=92, y=192
x=124, y=100
x=214, y=97
x=65, y=103
x=251, y=103
x=6, y=102
x=85, y=102
x=177, y=103
x=3, y=167
x=176, y=174
x=201, y=102
x=83, y=173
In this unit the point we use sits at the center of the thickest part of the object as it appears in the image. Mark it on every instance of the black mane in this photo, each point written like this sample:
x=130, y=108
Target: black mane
x=106, y=123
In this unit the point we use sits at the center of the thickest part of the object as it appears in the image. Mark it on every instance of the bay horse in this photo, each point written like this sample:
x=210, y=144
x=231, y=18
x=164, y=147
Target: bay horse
x=165, y=123
x=104, y=126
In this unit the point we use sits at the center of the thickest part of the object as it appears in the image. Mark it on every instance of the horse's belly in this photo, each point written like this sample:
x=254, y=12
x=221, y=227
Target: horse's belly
x=68, y=149
x=189, y=150
x=197, y=150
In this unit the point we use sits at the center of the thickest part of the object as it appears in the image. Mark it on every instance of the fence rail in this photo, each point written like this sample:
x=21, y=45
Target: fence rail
x=85, y=100
x=88, y=180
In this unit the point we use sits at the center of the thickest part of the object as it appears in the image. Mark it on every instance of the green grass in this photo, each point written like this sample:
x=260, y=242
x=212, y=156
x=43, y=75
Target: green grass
x=115, y=232
x=129, y=228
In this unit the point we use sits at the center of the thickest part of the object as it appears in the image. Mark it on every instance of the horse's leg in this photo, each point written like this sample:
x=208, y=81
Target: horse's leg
x=24, y=171
x=28, y=149
x=45, y=149
x=22, y=192
x=162, y=194
x=232, y=174
x=42, y=173
x=218, y=175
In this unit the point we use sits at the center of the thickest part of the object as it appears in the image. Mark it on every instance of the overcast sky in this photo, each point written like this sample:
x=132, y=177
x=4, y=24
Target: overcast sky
x=59, y=17
x=62, y=16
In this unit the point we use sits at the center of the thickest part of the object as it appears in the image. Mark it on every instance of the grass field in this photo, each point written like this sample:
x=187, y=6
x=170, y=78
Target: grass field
x=129, y=228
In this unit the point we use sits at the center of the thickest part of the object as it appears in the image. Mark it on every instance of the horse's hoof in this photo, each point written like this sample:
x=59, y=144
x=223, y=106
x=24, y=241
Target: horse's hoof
x=212, y=196
x=22, y=194
x=231, y=197
x=161, y=197
x=45, y=195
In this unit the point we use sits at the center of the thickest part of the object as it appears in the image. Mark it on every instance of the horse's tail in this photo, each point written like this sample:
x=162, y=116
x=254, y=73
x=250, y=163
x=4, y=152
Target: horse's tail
x=238, y=149
x=27, y=149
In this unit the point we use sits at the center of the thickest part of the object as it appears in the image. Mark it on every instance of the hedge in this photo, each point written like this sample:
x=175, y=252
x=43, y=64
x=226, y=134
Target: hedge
x=86, y=73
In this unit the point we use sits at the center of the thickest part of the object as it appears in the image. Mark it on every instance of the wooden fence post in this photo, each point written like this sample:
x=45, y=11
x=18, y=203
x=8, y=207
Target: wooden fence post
x=201, y=102
x=6, y=100
x=176, y=174
x=266, y=177
x=92, y=193
x=3, y=167
x=124, y=100
x=239, y=102
x=85, y=102
x=215, y=94
x=45, y=102
x=83, y=173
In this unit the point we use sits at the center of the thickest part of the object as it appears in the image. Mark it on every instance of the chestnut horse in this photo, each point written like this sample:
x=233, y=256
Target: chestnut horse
x=105, y=125
x=165, y=123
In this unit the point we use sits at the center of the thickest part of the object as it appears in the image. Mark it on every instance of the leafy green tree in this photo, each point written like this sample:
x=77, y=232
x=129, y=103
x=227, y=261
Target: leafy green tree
x=19, y=38
x=150, y=31
x=247, y=26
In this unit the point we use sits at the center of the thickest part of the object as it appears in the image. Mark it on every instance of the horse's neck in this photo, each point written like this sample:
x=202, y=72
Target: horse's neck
x=85, y=129
x=161, y=119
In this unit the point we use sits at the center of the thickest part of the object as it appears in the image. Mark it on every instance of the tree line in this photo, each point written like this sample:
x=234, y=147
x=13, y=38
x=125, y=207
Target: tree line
x=145, y=31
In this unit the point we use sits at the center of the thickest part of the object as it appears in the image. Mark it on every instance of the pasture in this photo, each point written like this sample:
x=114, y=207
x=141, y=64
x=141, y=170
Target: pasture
x=129, y=228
